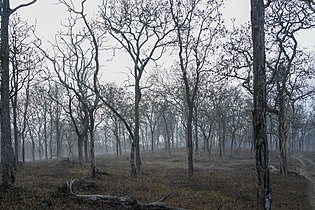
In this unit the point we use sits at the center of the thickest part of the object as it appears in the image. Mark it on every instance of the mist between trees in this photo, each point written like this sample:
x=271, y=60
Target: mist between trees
x=201, y=100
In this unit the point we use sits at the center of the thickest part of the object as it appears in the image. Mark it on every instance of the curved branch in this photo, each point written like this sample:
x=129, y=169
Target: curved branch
x=22, y=5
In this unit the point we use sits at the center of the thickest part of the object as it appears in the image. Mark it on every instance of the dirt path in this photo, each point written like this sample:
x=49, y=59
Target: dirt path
x=307, y=170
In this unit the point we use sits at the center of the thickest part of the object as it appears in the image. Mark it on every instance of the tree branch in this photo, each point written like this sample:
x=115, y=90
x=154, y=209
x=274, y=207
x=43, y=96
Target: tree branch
x=22, y=5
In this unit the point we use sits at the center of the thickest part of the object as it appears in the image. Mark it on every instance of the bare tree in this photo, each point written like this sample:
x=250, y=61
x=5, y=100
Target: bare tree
x=141, y=29
x=290, y=67
x=23, y=58
x=76, y=63
x=198, y=26
x=7, y=155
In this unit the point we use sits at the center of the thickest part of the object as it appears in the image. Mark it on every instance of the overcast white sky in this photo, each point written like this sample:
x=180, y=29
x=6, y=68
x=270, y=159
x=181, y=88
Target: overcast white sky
x=49, y=15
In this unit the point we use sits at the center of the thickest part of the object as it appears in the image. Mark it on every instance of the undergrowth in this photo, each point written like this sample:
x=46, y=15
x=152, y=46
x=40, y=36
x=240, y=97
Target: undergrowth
x=227, y=183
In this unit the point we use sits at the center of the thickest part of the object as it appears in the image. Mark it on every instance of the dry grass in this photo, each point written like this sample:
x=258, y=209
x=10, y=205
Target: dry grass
x=217, y=184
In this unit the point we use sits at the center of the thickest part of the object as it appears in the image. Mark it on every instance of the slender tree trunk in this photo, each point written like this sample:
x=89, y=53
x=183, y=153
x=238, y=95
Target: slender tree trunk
x=33, y=143
x=39, y=141
x=15, y=128
x=259, y=113
x=92, y=151
x=152, y=139
x=105, y=140
x=51, y=134
x=132, y=160
x=196, y=129
x=167, y=135
x=220, y=138
x=7, y=154
x=86, y=153
x=117, y=138
x=58, y=133
x=282, y=138
x=80, y=147
x=189, y=137
x=223, y=133
x=135, y=159
x=45, y=131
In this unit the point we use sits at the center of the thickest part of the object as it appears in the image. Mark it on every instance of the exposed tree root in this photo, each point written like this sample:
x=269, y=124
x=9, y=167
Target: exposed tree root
x=125, y=201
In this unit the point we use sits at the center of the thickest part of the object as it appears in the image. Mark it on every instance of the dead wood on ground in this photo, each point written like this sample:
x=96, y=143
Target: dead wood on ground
x=125, y=201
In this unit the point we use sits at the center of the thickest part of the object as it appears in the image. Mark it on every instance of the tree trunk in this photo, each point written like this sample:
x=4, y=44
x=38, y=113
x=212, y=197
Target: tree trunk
x=132, y=160
x=51, y=133
x=33, y=143
x=80, y=147
x=58, y=132
x=25, y=120
x=196, y=128
x=189, y=137
x=135, y=157
x=152, y=138
x=282, y=139
x=39, y=140
x=92, y=154
x=259, y=113
x=86, y=153
x=7, y=154
x=220, y=138
x=167, y=135
x=15, y=127
x=45, y=131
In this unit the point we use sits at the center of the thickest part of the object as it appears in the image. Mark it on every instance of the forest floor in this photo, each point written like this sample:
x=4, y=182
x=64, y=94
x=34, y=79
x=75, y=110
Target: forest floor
x=307, y=169
x=218, y=183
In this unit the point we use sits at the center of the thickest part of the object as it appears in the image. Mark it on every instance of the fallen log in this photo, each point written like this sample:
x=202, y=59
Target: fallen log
x=125, y=201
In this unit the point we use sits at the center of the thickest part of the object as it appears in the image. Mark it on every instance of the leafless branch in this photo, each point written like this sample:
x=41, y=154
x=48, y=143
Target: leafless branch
x=22, y=5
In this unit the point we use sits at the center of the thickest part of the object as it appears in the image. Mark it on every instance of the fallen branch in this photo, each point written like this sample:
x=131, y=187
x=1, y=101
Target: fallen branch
x=99, y=173
x=125, y=201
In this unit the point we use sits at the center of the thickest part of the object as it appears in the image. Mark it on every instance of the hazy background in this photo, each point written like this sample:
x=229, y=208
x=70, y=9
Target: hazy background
x=48, y=16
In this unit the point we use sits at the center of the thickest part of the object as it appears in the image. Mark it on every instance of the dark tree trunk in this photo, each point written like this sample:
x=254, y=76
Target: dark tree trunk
x=189, y=137
x=51, y=133
x=15, y=128
x=86, y=153
x=92, y=154
x=167, y=135
x=196, y=129
x=45, y=131
x=58, y=130
x=80, y=147
x=135, y=159
x=152, y=139
x=282, y=137
x=40, y=149
x=220, y=138
x=7, y=154
x=25, y=119
x=259, y=114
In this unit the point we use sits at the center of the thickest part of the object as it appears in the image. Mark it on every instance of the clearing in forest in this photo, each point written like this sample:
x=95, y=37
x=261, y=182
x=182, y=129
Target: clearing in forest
x=227, y=183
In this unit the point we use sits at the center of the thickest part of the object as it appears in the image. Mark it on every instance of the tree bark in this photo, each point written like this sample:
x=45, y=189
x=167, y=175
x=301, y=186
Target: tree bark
x=135, y=159
x=282, y=138
x=7, y=155
x=92, y=154
x=189, y=137
x=259, y=115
